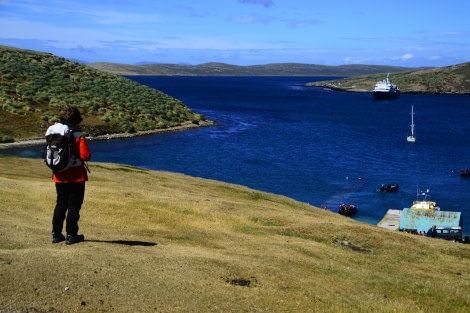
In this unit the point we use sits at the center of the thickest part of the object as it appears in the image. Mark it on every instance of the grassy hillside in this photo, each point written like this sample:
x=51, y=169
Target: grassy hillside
x=162, y=242
x=223, y=69
x=450, y=80
x=34, y=86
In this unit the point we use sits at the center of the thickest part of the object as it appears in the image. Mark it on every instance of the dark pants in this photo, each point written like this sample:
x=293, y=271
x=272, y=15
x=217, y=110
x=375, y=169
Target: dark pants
x=69, y=197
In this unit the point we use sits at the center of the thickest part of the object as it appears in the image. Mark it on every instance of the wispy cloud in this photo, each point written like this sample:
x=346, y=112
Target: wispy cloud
x=265, y=3
x=456, y=33
x=293, y=23
x=194, y=12
x=82, y=50
x=251, y=19
x=241, y=31
x=100, y=15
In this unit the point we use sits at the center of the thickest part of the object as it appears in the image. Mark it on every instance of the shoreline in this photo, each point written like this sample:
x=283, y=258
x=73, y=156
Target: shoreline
x=33, y=142
x=333, y=87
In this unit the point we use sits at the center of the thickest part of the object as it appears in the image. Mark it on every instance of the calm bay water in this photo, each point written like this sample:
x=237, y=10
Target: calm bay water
x=310, y=144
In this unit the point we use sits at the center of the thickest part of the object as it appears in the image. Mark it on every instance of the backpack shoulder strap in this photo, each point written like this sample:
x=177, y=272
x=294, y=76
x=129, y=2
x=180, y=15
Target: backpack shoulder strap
x=58, y=128
x=76, y=133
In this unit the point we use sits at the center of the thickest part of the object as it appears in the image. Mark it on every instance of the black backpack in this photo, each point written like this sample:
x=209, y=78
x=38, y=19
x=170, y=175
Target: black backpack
x=57, y=153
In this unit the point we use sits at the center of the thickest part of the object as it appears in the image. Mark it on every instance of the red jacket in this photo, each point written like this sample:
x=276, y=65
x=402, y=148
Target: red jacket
x=75, y=174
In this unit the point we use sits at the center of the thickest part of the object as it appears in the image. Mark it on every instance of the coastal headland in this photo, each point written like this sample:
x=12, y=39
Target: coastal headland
x=452, y=80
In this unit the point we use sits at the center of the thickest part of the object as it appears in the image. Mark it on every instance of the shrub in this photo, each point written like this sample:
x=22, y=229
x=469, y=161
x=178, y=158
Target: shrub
x=6, y=139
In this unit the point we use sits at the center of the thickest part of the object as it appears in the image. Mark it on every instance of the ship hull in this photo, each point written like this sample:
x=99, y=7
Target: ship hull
x=385, y=95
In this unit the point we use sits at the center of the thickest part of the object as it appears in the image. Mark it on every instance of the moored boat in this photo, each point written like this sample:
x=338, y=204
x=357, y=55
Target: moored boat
x=424, y=203
x=389, y=187
x=465, y=173
x=350, y=210
x=384, y=90
x=412, y=138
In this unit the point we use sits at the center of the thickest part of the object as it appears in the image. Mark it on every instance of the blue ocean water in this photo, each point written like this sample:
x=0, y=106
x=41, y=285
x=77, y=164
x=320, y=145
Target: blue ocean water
x=311, y=144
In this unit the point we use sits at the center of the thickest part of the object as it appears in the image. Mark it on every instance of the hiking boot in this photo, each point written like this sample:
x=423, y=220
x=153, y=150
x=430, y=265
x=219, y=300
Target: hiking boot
x=57, y=237
x=71, y=239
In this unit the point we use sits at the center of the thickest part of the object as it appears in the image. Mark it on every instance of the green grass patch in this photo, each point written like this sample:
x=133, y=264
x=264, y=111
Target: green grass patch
x=11, y=246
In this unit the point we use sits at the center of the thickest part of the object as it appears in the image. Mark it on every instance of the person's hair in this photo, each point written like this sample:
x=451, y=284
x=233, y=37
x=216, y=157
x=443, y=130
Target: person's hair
x=71, y=115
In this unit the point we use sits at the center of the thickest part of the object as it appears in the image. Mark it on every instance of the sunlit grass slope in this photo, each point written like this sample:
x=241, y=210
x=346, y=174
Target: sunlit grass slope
x=165, y=242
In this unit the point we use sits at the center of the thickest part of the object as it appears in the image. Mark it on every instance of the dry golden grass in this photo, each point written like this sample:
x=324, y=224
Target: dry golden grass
x=165, y=242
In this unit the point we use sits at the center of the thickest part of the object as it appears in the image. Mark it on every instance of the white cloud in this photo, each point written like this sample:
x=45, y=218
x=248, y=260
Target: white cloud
x=407, y=56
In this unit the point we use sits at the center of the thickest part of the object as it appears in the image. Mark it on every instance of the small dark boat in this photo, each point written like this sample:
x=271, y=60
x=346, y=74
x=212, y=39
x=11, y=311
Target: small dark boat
x=465, y=173
x=389, y=188
x=350, y=210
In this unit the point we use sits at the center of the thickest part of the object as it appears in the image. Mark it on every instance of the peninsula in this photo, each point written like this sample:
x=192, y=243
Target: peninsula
x=35, y=85
x=453, y=79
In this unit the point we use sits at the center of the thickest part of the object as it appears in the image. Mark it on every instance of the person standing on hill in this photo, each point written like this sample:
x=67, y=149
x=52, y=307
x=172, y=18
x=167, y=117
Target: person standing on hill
x=70, y=183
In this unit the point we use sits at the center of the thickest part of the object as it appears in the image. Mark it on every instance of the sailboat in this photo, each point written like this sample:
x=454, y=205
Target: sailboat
x=412, y=138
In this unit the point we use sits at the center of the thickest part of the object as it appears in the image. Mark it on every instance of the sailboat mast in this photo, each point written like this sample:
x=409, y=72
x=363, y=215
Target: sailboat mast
x=411, y=138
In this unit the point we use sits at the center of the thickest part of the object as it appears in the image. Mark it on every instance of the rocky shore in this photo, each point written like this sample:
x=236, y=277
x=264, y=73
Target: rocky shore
x=31, y=142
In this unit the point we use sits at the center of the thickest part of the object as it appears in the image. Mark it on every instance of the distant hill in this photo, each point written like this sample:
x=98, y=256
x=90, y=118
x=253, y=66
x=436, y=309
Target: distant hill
x=35, y=85
x=453, y=79
x=223, y=69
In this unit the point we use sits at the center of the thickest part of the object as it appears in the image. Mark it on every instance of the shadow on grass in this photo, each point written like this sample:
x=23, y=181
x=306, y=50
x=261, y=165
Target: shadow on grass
x=126, y=242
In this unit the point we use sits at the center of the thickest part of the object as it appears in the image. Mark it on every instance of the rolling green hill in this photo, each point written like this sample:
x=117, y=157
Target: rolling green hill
x=35, y=85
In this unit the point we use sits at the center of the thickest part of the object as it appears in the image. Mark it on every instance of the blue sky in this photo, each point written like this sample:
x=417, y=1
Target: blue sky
x=243, y=32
